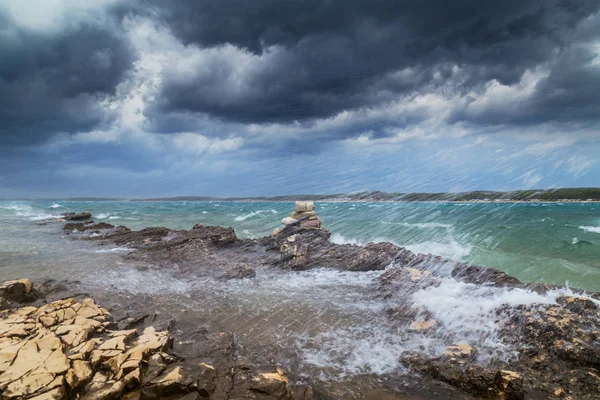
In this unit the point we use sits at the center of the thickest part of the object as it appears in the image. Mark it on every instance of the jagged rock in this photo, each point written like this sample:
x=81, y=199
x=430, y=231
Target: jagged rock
x=423, y=325
x=19, y=291
x=66, y=347
x=270, y=383
x=459, y=351
x=87, y=226
x=77, y=217
x=476, y=380
x=239, y=272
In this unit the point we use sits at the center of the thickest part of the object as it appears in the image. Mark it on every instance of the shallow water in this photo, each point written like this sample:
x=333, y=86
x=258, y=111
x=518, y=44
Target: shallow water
x=322, y=323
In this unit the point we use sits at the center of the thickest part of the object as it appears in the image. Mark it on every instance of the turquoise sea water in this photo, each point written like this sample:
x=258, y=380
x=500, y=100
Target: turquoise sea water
x=541, y=242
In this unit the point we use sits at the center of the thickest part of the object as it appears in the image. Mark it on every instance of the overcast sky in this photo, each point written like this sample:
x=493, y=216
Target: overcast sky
x=238, y=97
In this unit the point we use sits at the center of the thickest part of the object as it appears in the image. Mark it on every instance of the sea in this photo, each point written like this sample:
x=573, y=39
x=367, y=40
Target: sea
x=330, y=324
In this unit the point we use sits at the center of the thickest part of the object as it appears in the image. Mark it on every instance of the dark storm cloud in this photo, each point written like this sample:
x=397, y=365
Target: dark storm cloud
x=340, y=55
x=318, y=58
x=53, y=81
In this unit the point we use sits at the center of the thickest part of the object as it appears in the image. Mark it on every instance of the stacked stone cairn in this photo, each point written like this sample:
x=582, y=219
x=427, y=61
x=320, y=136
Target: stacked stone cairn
x=303, y=215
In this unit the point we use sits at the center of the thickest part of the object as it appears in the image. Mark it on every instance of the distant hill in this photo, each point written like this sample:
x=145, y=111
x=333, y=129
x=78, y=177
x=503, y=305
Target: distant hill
x=564, y=194
x=574, y=194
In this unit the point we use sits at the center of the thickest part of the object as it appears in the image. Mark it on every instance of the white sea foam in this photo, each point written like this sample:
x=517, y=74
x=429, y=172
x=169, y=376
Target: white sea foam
x=244, y=217
x=591, y=229
x=55, y=205
x=102, y=216
x=113, y=250
x=423, y=225
x=360, y=350
x=339, y=239
x=140, y=282
x=451, y=249
x=464, y=311
x=114, y=217
x=574, y=241
x=25, y=210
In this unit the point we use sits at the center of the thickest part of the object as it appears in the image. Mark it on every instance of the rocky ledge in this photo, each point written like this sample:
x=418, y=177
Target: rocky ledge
x=72, y=349
x=554, y=347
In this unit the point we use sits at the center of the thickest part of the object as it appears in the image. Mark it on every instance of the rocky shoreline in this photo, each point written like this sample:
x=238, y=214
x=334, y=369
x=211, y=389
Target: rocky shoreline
x=554, y=346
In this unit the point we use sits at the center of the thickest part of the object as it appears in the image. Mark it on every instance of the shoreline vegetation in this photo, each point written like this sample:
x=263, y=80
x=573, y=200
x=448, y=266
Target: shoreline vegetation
x=569, y=195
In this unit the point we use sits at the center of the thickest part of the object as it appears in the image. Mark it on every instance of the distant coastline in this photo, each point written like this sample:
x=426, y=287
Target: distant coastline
x=566, y=195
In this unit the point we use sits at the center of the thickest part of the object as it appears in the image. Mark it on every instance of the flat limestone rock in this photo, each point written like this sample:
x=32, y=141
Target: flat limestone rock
x=289, y=221
x=64, y=348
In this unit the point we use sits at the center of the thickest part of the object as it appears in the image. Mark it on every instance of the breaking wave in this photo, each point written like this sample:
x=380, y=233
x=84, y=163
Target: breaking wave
x=591, y=229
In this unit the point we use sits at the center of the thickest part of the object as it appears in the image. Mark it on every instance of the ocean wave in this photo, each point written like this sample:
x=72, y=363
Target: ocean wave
x=25, y=210
x=465, y=310
x=423, y=225
x=114, y=250
x=102, y=216
x=452, y=249
x=244, y=217
x=55, y=205
x=339, y=239
x=591, y=229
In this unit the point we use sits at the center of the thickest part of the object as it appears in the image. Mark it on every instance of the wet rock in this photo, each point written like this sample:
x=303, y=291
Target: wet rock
x=423, y=325
x=18, y=291
x=271, y=383
x=76, y=216
x=217, y=235
x=240, y=272
x=86, y=226
x=474, y=379
x=482, y=275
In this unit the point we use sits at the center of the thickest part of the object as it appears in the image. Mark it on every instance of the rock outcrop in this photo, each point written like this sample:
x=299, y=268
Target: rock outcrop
x=554, y=347
x=70, y=349
x=77, y=216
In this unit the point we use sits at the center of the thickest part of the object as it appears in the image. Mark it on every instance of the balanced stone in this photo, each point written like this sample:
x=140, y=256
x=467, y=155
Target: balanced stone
x=289, y=221
x=303, y=214
x=305, y=206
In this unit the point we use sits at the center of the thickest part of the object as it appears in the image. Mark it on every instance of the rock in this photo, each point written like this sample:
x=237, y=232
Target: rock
x=77, y=217
x=311, y=224
x=270, y=383
x=19, y=291
x=289, y=221
x=460, y=351
x=276, y=232
x=240, y=272
x=510, y=384
x=302, y=206
x=67, y=348
x=423, y=325
x=87, y=226
x=303, y=214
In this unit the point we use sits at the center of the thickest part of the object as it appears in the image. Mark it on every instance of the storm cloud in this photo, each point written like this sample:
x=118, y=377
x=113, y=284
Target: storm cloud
x=271, y=78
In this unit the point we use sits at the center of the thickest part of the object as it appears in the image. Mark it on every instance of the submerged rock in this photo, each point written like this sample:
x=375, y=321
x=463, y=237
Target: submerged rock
x=76, y=216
